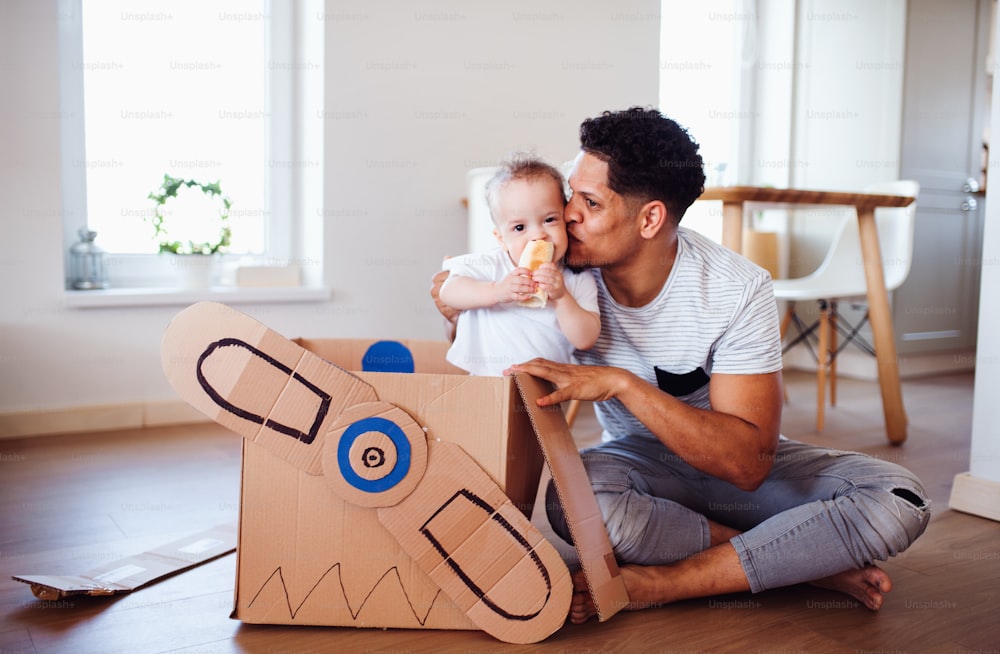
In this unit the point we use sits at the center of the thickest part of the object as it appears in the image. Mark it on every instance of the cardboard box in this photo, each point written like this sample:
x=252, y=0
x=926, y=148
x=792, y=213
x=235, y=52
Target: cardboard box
x=394, y=495
x=307, y=557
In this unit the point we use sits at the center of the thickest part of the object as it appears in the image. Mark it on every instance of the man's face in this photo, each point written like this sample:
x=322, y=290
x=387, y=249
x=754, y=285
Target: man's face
x=597, y=218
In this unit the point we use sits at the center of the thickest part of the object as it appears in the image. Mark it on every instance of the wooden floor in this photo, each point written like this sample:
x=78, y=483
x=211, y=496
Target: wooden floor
x=69, y=503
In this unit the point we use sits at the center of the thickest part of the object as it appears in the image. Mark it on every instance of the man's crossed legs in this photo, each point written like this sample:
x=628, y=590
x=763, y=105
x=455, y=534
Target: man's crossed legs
x=822, y=516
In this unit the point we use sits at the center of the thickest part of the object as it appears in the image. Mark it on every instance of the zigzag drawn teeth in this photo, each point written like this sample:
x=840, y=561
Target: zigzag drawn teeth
x=317, y=590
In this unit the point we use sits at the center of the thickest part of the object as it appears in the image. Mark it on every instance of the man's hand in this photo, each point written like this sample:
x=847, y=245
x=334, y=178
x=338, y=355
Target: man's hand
x=450, y=314
x=574, y=382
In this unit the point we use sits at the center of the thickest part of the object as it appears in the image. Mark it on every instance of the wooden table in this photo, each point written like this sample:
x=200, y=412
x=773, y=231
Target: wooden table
x=734, y=199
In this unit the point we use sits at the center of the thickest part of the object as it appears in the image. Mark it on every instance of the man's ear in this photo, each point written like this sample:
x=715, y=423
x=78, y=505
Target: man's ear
x=652, y=217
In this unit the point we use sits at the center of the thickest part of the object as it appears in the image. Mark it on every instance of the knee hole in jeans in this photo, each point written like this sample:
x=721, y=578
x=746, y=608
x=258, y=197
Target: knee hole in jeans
x=909, y=496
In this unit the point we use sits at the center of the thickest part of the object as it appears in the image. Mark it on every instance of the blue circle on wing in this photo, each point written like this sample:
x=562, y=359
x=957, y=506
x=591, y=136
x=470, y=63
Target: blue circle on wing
x=399, y=440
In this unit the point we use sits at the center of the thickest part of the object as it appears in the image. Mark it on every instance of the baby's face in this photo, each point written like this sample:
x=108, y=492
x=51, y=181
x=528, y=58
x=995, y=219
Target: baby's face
x=530, y=210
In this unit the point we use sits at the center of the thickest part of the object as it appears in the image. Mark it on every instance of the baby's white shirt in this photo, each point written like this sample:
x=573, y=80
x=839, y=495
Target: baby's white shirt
x=490, y=340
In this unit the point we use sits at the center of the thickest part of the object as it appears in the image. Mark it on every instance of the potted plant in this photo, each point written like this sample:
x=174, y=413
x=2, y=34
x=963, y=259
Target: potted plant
x=191, y=221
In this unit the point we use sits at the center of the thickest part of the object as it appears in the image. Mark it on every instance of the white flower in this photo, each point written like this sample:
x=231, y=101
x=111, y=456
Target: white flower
x=193, y=216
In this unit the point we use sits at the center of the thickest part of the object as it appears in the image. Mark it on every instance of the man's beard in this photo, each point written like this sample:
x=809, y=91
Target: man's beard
x=576, y=267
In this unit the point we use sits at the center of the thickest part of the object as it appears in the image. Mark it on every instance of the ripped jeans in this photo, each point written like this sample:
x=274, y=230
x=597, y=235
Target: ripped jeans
x=820, y=511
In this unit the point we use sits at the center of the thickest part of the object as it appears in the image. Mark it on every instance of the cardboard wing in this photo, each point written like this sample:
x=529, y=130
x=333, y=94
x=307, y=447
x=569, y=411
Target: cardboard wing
x=442, y=508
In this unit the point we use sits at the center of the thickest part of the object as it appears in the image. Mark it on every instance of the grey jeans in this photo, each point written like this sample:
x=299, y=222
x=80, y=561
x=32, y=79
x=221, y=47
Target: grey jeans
x=820, y=511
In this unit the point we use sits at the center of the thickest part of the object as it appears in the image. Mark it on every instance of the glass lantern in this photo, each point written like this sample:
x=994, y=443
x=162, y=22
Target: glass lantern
x=87, y=263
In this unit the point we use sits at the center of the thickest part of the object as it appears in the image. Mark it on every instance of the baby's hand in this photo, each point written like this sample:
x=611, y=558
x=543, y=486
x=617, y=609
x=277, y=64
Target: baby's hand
x=550, y=279
x=515, y=287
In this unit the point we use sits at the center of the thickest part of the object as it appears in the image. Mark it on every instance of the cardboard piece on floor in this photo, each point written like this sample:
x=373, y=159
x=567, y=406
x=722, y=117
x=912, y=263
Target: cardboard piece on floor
x=586, y=525
x=134, y=572
x=450, y=543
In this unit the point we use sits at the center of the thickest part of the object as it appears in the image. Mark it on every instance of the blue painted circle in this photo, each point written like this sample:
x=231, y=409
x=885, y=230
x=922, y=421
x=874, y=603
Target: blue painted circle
x=398, y=438
x=387, y=356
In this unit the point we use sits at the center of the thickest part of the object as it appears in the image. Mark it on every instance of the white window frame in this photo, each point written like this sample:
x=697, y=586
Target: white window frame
x=294, y=166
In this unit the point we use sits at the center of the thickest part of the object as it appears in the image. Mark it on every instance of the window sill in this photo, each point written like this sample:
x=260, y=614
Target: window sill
x=162, y=297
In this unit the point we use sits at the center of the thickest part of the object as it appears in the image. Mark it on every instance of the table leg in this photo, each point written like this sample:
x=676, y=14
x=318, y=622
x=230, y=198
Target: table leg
x=732, y=226
x=882, y=330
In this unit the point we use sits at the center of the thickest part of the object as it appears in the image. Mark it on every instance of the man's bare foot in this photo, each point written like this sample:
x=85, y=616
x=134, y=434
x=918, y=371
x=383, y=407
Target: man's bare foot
x=582, y=607
x=867, y=585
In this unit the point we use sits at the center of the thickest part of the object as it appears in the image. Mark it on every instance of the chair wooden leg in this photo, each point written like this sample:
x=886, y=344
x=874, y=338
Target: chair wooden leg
x=833, y=354
x=822, y=360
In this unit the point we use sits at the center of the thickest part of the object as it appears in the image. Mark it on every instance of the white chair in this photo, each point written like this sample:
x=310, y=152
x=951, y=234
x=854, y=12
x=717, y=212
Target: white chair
x=481, y=237
x=841, y=277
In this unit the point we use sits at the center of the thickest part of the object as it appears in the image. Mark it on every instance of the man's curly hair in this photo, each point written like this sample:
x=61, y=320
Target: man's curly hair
x=649, y=157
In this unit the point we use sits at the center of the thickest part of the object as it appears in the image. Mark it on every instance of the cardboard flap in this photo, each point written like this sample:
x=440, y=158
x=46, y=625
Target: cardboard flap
x=586, y=525
x=128, y=574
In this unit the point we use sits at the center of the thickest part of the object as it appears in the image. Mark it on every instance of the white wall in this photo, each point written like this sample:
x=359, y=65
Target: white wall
x=459, y=86
x=416, y=94
x=985, y=454
x=984, y=460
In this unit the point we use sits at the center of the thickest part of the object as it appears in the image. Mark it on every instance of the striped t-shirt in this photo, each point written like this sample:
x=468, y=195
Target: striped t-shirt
x=715, y=313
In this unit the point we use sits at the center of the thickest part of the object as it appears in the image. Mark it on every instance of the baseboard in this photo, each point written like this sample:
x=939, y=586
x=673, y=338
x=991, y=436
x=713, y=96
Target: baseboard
x=69, y=420
x=855, y=364
x=975, y=495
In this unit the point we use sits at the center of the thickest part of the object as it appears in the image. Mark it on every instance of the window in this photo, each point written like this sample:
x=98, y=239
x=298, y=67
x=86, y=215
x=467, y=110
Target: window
x=706, y=71
x=703, y=55
x=180, y=92
x=196, y=89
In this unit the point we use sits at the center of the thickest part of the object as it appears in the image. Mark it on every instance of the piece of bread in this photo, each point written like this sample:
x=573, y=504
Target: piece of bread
x=536, y=253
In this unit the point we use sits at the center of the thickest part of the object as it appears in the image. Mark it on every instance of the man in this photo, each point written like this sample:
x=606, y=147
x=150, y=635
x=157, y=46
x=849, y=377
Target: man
x=700, y=493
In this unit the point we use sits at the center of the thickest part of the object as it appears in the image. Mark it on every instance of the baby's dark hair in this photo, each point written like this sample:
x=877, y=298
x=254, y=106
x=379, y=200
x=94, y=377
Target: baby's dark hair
x=649, y=157
x=521, y=166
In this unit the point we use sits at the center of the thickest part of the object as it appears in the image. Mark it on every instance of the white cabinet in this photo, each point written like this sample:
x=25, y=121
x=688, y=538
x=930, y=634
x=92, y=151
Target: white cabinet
x=945, y=106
